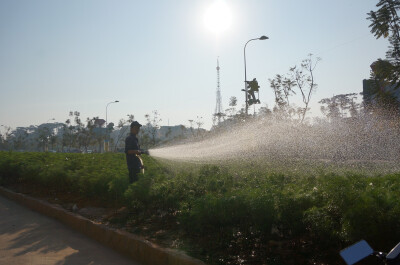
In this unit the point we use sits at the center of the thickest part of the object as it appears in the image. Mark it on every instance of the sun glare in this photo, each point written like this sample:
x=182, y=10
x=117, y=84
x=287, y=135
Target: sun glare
x=218, y=17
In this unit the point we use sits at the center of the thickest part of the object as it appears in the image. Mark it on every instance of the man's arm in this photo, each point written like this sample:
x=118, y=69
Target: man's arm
x=131, y=147
x=134, y=152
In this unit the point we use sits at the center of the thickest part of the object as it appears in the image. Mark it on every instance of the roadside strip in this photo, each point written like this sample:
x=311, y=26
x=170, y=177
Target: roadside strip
x=123, y=242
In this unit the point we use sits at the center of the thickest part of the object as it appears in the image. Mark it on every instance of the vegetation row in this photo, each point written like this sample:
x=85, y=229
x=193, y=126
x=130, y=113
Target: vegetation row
x=243, y=210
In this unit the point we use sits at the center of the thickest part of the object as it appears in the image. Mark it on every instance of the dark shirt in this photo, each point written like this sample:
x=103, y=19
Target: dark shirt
x=254, y=85
x=132, y=143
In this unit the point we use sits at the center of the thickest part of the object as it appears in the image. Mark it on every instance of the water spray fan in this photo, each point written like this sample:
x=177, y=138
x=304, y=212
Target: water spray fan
x=144, y=151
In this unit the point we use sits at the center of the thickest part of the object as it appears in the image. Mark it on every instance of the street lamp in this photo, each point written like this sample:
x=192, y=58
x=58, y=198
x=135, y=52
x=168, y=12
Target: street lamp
x=106, y=140
x=245, y=70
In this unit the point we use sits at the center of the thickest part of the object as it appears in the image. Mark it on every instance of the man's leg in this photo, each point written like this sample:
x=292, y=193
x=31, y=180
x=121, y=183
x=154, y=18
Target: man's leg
x=252, y=95
x=132, y=175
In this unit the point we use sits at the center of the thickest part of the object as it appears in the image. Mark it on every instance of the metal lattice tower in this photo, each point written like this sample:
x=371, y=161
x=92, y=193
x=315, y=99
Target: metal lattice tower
x=218, y=114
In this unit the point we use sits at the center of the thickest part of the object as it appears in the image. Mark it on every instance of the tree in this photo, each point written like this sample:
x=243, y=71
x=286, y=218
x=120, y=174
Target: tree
x=191, y=127
x=340, y=105
x=264, y=111
x=386, y=23
x=276, y=85
x=53, y=141
x=355, y=108
x=283, y=89
x=69, y=131
x=168, y=133
x=153, y=125
x=231, y=111
x=43, y=137
x=199, y=123
x=18, y=138
x=4, y=138
x=123, y=128
x=66, y=135
x=284, y=86
x=303, y=76
x=287, y=87
x=80, y=135
x=232, y=101
x=381, y=89
x=183, y=130
x=86, y=135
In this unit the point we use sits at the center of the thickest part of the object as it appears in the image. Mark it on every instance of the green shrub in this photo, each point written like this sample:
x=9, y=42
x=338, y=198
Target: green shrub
x=220, y=202
x=375, y=216
x=137, y=196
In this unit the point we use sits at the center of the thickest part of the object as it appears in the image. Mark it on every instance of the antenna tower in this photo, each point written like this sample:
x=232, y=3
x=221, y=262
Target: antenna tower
x=218, y=106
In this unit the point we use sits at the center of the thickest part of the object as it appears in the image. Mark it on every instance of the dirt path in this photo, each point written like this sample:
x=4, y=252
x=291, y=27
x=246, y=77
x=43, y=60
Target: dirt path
x=27, y=237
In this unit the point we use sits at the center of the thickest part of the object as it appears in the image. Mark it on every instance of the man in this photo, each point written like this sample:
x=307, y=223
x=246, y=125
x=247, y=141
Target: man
x=253, y=85
x=132, y=151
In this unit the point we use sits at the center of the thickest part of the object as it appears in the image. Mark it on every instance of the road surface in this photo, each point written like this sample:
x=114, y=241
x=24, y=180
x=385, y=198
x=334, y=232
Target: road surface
x=26, y=237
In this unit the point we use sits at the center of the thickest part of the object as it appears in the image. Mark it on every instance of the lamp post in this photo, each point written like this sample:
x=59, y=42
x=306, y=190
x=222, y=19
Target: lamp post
x=245, y=70
x=106, y=140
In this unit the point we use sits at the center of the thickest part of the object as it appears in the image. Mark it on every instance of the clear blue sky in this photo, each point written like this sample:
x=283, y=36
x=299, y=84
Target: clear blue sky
x=57, y=56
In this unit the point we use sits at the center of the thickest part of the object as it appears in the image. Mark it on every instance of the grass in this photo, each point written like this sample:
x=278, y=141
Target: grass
x=236, y=212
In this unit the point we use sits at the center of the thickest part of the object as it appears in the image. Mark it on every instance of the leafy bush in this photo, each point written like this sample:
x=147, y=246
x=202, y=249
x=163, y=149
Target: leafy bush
x=219, y=202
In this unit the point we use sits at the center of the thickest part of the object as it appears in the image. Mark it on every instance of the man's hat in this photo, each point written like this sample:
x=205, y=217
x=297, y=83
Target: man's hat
x=135, y=123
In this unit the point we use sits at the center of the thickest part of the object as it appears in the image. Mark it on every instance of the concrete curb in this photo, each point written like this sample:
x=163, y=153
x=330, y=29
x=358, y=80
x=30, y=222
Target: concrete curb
x=123, y=242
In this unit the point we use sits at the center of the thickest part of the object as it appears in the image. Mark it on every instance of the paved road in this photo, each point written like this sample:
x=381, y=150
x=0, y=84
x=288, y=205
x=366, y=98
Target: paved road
x=27, y=237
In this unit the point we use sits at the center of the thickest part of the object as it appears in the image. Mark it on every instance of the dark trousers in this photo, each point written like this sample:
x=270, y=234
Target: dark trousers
x=133, y=174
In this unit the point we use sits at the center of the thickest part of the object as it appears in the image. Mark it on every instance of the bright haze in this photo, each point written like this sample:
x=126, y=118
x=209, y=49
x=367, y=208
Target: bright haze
x=61, y=56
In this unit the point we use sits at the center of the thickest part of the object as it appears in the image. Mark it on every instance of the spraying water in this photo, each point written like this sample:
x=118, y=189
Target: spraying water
x=354, y=140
